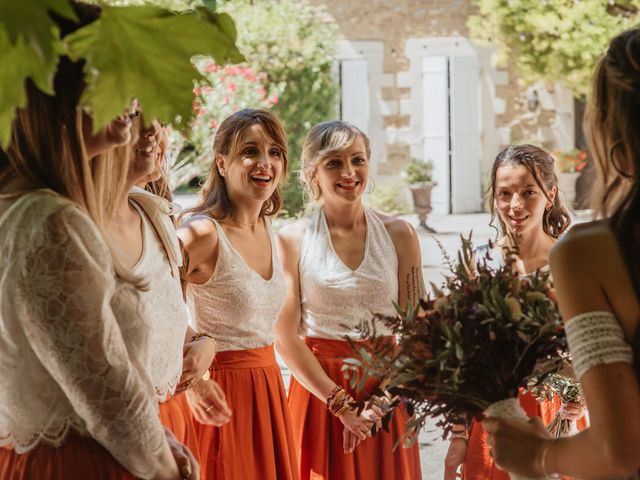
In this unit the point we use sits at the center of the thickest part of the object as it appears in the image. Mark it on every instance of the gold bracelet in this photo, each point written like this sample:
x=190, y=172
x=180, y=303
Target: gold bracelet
x=200, y=335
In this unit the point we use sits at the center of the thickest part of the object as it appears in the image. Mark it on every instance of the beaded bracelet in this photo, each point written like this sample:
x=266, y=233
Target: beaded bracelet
x=339, y=401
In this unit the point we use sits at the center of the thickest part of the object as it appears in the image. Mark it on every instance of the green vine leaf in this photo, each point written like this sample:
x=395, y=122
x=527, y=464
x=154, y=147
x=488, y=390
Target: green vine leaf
x=144, y=52
x=29, y=48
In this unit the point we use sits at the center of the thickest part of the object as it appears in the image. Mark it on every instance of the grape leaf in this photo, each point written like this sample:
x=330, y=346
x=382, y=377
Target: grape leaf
x=145, y=52
x=29, y=48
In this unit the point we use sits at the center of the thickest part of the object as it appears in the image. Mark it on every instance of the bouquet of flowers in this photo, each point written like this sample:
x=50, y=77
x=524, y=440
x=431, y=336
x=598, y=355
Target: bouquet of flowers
x=567, y=389
x=466, y=353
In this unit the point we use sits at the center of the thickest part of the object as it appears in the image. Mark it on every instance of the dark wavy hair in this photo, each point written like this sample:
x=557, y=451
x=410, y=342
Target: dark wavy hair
x=214, y=198
x=613, y=132
x=541, y=165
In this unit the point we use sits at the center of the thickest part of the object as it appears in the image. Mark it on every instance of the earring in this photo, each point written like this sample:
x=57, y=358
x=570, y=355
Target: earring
x=370, y=182
x=548, y=207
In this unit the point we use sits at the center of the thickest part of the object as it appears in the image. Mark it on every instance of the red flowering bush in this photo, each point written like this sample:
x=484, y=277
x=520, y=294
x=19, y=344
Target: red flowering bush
x=225, y=90
x=571, y=161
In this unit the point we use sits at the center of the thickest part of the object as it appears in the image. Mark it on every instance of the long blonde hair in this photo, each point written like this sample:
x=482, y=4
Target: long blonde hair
x=46, y=145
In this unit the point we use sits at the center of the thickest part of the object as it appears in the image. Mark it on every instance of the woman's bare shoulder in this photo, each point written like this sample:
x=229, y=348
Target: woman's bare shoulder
x=586, y=239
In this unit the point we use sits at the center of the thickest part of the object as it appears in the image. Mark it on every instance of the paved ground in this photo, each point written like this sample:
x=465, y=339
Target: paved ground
x=448, y=229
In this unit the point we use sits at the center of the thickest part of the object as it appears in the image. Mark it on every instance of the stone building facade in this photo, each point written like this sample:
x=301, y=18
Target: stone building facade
x=415, y=82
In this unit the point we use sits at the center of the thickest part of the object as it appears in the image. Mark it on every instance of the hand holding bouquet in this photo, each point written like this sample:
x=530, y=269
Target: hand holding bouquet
x=465, y=354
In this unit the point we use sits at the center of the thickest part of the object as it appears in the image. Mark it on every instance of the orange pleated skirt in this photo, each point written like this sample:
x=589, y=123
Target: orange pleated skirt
x=257, y=442
x=318, y=434
x=78, y=458
x=479, y=465
x=175, y=414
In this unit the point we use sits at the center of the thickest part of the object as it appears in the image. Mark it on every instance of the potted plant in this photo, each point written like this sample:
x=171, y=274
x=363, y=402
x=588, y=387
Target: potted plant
x=570, y=165
x=418, y=174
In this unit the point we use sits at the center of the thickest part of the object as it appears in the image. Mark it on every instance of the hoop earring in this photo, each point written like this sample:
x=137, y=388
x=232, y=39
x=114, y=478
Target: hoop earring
x=370, y=182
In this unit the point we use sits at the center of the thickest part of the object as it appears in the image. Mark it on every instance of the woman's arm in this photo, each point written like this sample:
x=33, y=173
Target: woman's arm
x=302, y=362
x=199, y=238
x=410, y=280
x=589, y=276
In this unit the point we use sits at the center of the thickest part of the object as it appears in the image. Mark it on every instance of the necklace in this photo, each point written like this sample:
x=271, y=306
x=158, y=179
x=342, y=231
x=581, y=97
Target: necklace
x=242, y=224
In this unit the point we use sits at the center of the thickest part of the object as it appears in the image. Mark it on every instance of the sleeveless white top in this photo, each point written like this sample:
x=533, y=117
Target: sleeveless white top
x=236, y=305
x=73, y=342
x=166, y=309
x=334, y=298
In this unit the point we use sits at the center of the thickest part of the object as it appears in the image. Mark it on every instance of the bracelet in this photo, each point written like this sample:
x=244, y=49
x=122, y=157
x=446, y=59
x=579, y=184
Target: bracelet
x=200, y=335
x=463, y=435
x=543, y=464
x=339, y=401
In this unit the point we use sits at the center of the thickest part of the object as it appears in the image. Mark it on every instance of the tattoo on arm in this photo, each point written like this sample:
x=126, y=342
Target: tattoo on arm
x=413, y=286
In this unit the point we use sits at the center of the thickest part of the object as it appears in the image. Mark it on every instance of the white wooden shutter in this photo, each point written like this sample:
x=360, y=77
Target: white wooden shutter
x=354, y=85
x=435, y=115
x=466, y=194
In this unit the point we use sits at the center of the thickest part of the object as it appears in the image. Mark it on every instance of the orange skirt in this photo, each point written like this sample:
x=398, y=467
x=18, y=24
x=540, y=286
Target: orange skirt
x=318, y=434
x=257, y=442
x=175, y=414
x=78, y=458
x=479, y=465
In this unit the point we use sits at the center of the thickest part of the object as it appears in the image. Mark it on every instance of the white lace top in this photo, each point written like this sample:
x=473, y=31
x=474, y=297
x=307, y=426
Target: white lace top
x=596, y=338
x=336, y=299
x=72, y=342
x=166, y=309
x=236, y=305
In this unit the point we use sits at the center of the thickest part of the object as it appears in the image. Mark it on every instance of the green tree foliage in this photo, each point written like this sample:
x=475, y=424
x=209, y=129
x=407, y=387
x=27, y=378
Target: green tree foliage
x=135, y=51
x=552, y=40
x=294, y=44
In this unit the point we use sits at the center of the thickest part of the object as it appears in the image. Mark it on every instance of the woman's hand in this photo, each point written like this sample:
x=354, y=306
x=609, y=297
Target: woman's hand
x=572, y=410
x=456, y=455
x=197, y=358
x=360, y=425
x=187, y=464
x=517, y=447
x=208, y=403
x=349, y=441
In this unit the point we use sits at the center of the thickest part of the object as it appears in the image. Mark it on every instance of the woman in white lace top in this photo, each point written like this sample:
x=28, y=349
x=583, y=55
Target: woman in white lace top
x=236, y=289
x=596, y=271
x=342, y=265
x=76, y=400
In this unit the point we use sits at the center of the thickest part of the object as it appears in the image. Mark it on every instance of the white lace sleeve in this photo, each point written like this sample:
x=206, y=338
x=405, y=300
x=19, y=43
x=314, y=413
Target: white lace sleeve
x=62, y=296
x=596, y=338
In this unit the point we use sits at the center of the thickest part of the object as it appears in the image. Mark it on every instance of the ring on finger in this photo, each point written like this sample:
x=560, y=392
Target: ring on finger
x=208, y=409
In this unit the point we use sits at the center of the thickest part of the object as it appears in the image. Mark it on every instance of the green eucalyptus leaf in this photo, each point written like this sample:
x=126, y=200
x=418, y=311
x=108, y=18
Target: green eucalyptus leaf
x=145, y=52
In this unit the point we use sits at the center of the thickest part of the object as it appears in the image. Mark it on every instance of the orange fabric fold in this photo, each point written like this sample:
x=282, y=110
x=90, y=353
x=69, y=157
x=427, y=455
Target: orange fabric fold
x=175, y=414
x=478, y=463
x=257, y=442
x=318, y=434
x=78, y=458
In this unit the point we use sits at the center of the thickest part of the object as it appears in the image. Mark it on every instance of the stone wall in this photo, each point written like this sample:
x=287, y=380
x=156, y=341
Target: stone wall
x=509, y=110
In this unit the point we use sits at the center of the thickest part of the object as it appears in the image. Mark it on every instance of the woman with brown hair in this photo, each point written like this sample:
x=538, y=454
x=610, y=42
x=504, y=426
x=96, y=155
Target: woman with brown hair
x=76, y=400
x=524, y=198
x=236, y=288
x=342, y=264
x=596, y=268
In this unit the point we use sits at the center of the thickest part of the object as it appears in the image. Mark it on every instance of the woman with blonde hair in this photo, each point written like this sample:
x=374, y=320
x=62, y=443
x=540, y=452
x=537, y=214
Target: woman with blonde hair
x=76, y=400
x=144, y=234
x=236, y=288
x=596, y=268
x=342, y=264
